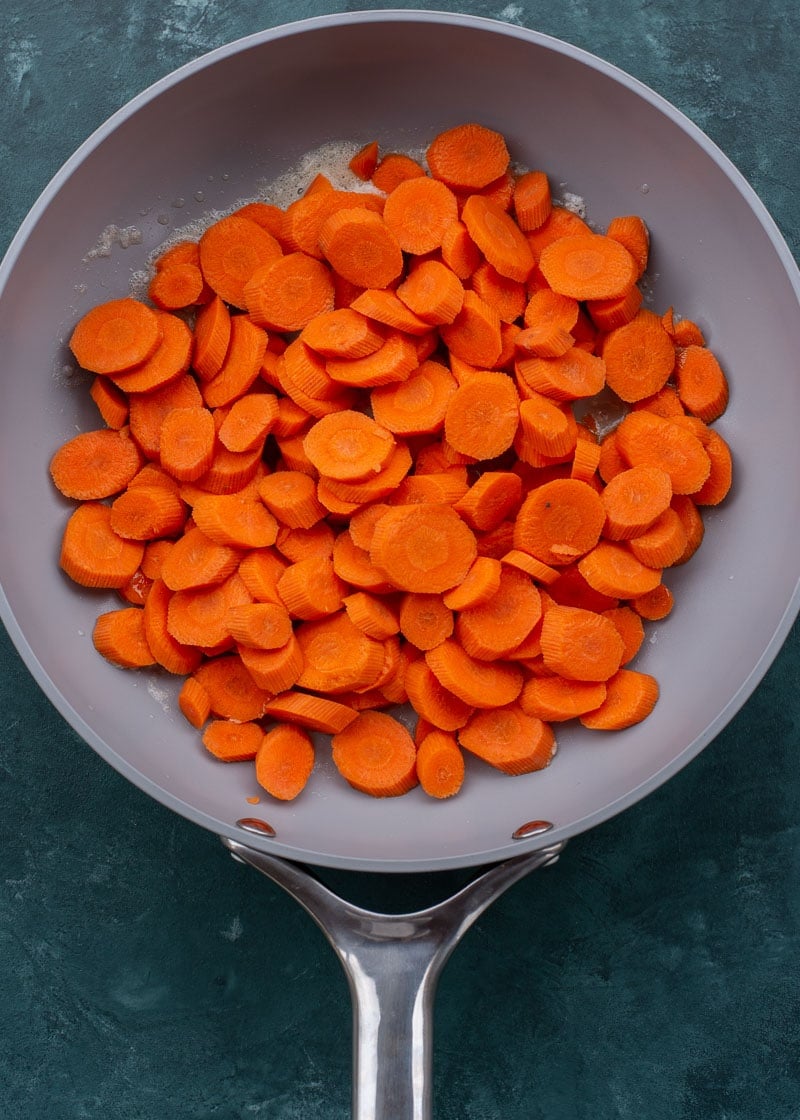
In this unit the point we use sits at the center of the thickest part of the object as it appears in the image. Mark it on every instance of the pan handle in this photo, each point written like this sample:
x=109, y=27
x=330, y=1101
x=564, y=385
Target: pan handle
x=392, y=963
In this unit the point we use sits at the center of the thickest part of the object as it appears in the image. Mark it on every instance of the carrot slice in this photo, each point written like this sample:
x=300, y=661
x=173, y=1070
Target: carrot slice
x=348, y=446
x=353, y=565
x=440, y=765
x=631, y=630
x=631, y=231
x=177, y=286
x=545, y=427
x=194, y=702
x=361, y=248
x=198, y=616
x=146, y=512
x=196, y=561
x=112, y=403
x=555, y=699
x=433, y=292
x=364, y=162
x=559, y=521
x=273, y=670
x=116, y=336
x=459, y=251
x=716, y=486
x=383, y=306
x=284, y=761
x=168, y=361
x=474, y=335
x=494, y=628
x=630, y=698
x=566, y=377
x=120, y=637
x=94, y=464
x=655, y=604
x=633, y=500
x=186, y=442
x=639, y=357
x=371, y=614
x=532, y=200
x=418, y=212
x=647, y=440
x=509, y=740
x=613, y=569
x=425, y=621
x=702, y=386
x=481, y=684
x=423, y=548
x=393, y=169
x=376, y=755
x=169, y=653
x=337, y=656
x=234, y=520
x=609, y=314
x=495, y=496
x=393, y=361
x=241, y=367
x=212, y=331
x=498, y=237
x=311, y=588
x=468, y=156
x=588, y=266
x=92, y=554
x=291, y=496
x=559, y=223
x=230, y=252
x=580, y=645
x=288, y=293
x=342, y=333
x=232, y=740
x=231, y=690
x=249, y=422
x=482, y=415
x=303, y=544
x=418, y=404
x=315, y=712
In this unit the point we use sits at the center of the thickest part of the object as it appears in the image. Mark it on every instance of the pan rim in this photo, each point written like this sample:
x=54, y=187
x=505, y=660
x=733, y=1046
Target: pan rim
x=461, y=860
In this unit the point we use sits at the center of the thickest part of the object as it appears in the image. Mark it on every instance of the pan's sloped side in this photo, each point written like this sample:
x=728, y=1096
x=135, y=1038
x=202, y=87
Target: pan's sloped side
x=717, y=257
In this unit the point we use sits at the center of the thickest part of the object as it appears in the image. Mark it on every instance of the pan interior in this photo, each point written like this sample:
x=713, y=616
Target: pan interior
x=205, y=139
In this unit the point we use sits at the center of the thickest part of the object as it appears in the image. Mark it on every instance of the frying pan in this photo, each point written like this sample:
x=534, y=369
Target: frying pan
x=210, y=135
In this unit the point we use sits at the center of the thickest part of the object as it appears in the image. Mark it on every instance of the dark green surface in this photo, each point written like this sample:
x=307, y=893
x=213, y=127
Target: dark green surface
x=655, y=972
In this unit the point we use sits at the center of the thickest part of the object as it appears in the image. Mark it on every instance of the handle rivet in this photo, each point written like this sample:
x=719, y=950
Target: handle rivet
x=256, y=825
x=531, y=828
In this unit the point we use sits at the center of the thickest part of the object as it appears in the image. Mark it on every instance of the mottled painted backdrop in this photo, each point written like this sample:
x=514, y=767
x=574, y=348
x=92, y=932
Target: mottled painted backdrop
x=653, y=975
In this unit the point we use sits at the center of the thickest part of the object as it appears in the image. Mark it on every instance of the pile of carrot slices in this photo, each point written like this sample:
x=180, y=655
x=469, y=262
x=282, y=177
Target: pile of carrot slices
x=342, y=469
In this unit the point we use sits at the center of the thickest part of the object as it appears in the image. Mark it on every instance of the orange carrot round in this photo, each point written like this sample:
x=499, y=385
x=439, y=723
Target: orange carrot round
x=115, y=336
x=440, y=764
x=588, y=266
x=423, y=548
x=509, y=740
x=376, y=755
x=468, y=156
x=94, y=464
x=284, y=761
x=418, y=212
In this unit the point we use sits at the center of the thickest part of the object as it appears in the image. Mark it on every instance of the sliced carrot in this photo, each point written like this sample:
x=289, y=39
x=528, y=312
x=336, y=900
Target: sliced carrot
x=655, y=604
x=509, y=740
x=249, y=422
x=198, y=616
x=186, y=442
x=183, y=252
x=371, y=614
x=317, y=713
x=440, y=765
x=693, y=525
x=288, y=293
x=559, y=223
x=148, y=411
x=647, y=440
x=393, y=361
x=116, y=336
x=701, y=383
x=233, y=740
x=613, y=569
x=231, y=690
x=481, y=684
x=337, y=656
x=423, y=548
x=212, y=332
x=311, y=588
x=146, y=512
x=498, y=237
x=532, y=200
x=559, y=521
x=630, y=698
x=194, y=702
x=169, y=360
x=169, y=653
x=364, y=162
x=468, y=156
x=580, y=645
x=545, y=427
x=229, y=470
x=588, y=266
x=474, y=335
x=95, y=464
x=260, y=570
x=303, y=544
x=630, y=628
x=482, y=415
x=524, y=562
x=633, y=501
x=176, y=286
x=608, y=314
x=348, y=446
x=611, y=460
x=284, y=761
x=234, y=520
x=112, y=403
x=230, y=252
x=459, y=251
x=631, y=231
x=416, y=405
x=495, y=496
x=567, y=377
x=268, y=216
x=361, y=248
x=376, y=755
x=385, y=307
x=425, y=621
x=371, y=489
x=119, y=636
x=555, y=699
x=493, y=628
x=418, y=212
x=196, y=561
x=92, y=554
x=241, y=367
x=572, y=590
x=394, y=168
x=273, y=670
x=343, y=333
x=639, y=357
x=433, y=292
x=716, y=487
x=291, y=496
x=445, y=488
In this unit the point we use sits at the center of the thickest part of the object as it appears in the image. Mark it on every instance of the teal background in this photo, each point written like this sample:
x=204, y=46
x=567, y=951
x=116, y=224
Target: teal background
x=654, y=973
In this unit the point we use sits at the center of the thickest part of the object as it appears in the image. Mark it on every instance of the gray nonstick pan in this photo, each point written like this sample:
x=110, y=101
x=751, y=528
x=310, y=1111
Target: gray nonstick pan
x=212, y=135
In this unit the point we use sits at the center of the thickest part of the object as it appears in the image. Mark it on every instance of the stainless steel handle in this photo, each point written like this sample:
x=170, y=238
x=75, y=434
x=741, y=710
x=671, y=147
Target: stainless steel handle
x=392, y=963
